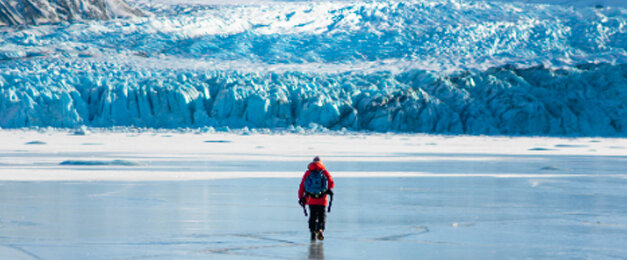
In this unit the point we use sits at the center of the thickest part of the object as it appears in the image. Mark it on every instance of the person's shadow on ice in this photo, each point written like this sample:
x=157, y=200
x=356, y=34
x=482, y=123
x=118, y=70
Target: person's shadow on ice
x=316, y=251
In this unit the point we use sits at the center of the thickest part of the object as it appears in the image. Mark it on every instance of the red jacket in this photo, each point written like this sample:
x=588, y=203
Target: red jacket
x=316, y=166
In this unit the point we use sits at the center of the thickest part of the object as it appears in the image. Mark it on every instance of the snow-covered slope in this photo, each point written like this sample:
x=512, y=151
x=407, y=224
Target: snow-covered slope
x=442, y=66
x=15, y=12
x=576, y=3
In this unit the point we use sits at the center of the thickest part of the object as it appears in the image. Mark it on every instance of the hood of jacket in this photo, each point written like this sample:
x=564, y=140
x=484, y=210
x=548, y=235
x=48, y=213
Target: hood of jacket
x=315, y=166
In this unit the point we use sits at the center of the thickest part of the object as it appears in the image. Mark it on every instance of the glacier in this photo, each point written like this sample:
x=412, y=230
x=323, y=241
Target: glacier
x=434, y=66
x=21, y=12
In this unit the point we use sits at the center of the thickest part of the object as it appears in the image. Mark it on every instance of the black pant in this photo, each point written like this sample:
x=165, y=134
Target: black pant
x=317, y=217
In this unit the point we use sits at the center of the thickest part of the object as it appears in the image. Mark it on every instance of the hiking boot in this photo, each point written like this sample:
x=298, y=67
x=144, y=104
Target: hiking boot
x=313, y=236
x=319, y=235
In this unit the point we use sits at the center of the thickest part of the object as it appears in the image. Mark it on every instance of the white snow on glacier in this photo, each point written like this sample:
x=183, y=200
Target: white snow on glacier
x=576, y=3
x=438, y=66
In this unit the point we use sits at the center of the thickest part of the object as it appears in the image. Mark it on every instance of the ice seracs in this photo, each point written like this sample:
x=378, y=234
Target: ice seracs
x=585, y=100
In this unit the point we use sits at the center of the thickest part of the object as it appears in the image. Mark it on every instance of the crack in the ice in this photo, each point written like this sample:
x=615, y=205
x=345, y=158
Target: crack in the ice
x=147, y=257
x=264, y=238
x=232, y=250
x=32, y=255
x=396, y=237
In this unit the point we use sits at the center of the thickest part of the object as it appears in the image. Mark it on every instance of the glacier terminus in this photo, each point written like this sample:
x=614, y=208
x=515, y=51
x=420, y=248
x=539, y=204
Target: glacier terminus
x=433, y=66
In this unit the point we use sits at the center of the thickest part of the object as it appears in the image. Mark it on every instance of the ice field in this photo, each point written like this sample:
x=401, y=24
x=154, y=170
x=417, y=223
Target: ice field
x=190, y=195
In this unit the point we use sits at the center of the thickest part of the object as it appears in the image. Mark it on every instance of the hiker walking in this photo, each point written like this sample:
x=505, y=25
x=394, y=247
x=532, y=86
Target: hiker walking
x=314, y=188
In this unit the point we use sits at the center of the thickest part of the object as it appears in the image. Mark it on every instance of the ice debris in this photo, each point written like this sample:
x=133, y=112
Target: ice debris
x=99, y=163
x=35, y=143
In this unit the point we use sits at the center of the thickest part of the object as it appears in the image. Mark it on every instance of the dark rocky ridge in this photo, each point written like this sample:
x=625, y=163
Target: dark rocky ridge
x=33, y=12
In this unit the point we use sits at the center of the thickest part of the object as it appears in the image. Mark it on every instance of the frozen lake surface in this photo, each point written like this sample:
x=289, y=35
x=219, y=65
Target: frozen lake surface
x=225, y=196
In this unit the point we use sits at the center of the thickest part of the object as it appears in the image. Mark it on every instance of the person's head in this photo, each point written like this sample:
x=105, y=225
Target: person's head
x=316, y=164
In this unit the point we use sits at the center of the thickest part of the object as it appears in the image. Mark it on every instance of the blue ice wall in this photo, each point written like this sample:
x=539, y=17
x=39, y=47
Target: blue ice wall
x=583, y=100
x=434, y=66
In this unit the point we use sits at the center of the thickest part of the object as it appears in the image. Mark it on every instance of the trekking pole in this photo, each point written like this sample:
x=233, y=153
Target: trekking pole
x=301, y=201
x=330, y=192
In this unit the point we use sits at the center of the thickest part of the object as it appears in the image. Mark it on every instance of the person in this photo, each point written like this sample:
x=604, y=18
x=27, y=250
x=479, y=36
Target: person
x=317, y=200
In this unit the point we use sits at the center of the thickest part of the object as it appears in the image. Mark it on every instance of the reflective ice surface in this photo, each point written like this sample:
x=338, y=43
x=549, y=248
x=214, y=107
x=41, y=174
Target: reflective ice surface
x=375, y=218
x=227, y=196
